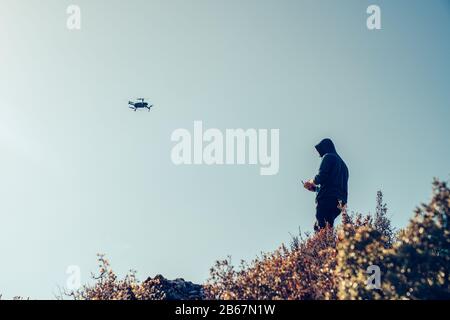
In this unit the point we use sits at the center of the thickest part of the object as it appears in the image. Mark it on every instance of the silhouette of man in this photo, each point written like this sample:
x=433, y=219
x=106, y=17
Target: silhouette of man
x=330, y=184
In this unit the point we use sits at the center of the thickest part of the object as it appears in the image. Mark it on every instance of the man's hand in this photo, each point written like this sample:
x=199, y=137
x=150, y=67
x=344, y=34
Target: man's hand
x=310, y=185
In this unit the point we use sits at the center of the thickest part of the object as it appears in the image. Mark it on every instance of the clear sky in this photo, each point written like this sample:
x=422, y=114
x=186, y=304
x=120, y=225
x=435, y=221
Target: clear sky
x=80, y=173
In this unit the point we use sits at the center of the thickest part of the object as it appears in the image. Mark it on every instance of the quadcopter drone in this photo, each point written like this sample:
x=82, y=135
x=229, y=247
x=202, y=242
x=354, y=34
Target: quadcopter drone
x=139, y=105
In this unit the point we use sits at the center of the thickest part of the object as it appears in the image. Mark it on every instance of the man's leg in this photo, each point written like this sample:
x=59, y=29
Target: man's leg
x=326, y=211
x=320, y=216
x=320, y=224
x=329, y=220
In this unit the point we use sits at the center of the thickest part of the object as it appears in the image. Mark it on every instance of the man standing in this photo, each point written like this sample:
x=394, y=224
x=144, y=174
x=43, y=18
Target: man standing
x=330, y=184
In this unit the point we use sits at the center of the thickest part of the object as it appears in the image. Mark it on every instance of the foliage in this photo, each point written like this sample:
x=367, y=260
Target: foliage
x=330, y=264
x=416, y=267
x=413, y=264
x=301, y=272
x=109, y=287
x=382, y=222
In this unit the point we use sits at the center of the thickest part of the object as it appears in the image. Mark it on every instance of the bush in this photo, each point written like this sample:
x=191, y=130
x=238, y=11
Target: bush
x=416, y=267
x=413, y=264
x=303, y=271
x=109, y=287
x=331, y=264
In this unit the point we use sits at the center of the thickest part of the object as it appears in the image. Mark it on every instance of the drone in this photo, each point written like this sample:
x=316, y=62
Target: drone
x=139, y=105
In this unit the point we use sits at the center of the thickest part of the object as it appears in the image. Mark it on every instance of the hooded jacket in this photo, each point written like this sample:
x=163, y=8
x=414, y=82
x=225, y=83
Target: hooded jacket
x=333, y=173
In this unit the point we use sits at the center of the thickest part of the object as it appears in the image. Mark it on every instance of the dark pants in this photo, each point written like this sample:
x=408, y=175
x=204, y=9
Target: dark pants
x=326, y=211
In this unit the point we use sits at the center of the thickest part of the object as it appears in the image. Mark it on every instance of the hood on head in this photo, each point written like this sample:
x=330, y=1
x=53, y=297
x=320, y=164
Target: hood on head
x=325, y=146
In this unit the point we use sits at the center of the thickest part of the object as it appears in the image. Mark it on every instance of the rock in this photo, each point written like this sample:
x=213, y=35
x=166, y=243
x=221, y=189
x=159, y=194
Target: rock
x=161, y=288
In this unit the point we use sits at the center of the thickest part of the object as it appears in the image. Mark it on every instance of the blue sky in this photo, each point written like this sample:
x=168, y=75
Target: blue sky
x=82, y=174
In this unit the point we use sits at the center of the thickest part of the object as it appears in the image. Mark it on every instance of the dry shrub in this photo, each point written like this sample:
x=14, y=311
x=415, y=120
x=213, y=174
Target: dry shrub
x=414, y=263
x=109, y=287
x=416, y=267
x=330, y=264
x=300, y=272
x=304, y=271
